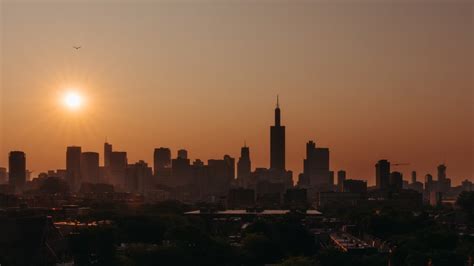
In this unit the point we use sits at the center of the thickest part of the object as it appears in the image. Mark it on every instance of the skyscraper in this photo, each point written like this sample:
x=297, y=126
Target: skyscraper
x=221, y=174
x=382, y=174
x=90, y=167
x=244, y=164
x=107, y=153
x=139, y=177
x=341, y=177
x=396, y=180
x=161, y=160
x=428, y=182
x=441, y=172
x=181, y=171
x=277, y=142
x=316, y=166
x=118, y=168
x=17, y=169
x=230, y=162
x=73, y=167
x=444, y=183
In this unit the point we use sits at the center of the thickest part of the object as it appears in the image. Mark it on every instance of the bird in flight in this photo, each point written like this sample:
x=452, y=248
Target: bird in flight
x=77, y=47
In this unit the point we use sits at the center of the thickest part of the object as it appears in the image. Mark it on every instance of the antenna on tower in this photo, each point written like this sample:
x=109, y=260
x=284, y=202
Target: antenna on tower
x=278, y=102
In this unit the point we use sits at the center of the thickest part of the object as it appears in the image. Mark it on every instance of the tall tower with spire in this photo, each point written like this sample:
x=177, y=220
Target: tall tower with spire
x=277, y=142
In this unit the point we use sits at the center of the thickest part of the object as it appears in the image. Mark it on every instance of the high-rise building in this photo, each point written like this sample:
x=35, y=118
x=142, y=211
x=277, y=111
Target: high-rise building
x=396, y=180
x=441, y=172
x=118, y=168
x=443, y=183
x=107, y=153
x=90, y=167
x=244, y=164
x=316, y=167
x=413, y=177
x=277, y=142
x=428, y=182
x=181, y=171
x=139, y=177
x=17, y=170
x=161, y=160
x=3, y=175
x=230, y=162
x=341, y=176
x=183, y=154
x=221, y=174
x=382, y=174
x=73, y=167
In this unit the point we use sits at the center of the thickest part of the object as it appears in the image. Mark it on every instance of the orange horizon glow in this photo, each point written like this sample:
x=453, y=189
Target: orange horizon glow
x=367, y=80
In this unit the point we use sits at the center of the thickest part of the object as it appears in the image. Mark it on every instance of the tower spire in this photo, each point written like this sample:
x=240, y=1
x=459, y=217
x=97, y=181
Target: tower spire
x=277, y=112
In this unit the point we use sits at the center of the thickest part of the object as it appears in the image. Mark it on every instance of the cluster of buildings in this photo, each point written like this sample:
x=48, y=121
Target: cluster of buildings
x=231, y=182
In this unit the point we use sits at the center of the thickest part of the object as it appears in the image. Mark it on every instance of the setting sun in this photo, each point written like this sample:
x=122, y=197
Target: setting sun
x=72, y=100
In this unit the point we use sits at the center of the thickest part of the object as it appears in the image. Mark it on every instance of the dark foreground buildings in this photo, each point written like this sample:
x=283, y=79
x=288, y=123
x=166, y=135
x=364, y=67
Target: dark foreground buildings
x=17, y=166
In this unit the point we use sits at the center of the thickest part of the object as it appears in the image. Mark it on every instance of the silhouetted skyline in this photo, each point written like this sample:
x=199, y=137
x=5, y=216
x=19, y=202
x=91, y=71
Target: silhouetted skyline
x=367, y=80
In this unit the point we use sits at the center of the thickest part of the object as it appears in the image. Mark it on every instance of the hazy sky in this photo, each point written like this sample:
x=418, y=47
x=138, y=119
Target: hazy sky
x=368, y=79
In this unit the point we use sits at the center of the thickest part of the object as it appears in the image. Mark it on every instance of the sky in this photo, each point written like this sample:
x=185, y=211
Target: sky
x=368, y=79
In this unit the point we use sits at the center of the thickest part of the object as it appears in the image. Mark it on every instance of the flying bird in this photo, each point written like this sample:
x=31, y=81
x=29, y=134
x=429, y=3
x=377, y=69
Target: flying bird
x=77, y=47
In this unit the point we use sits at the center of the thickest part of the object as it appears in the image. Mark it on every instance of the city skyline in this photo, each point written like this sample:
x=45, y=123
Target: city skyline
x=369, y=81
x=316, y=167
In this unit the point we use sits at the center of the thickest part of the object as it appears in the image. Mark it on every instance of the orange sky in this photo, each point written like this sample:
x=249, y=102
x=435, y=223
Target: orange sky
x=369, y=80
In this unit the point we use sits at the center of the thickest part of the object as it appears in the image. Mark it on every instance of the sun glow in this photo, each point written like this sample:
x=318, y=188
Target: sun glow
x=73, y=100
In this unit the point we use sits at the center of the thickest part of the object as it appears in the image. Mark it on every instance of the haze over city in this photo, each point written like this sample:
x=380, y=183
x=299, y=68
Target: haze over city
x=367, y=80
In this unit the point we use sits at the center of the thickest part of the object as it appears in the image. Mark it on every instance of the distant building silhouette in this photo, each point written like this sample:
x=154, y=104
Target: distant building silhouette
x=107, y=154
x=118, y=168
x=443, y=183
x=139, y=177
x=90, y=167
x=17, y=170
x=354, y=186
x=183, y=154
x=467, y=185
x=73, y=167
x=3, y=175
x=316, y=171
x=413, y=177
x=441, y=172
x=382, y=174
x=161, y=160
x=341, y=177
x=396, y=180
x=277, y=142
x=428, y=182
x=244, y=165
x=181, y=170
x=221, y=175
